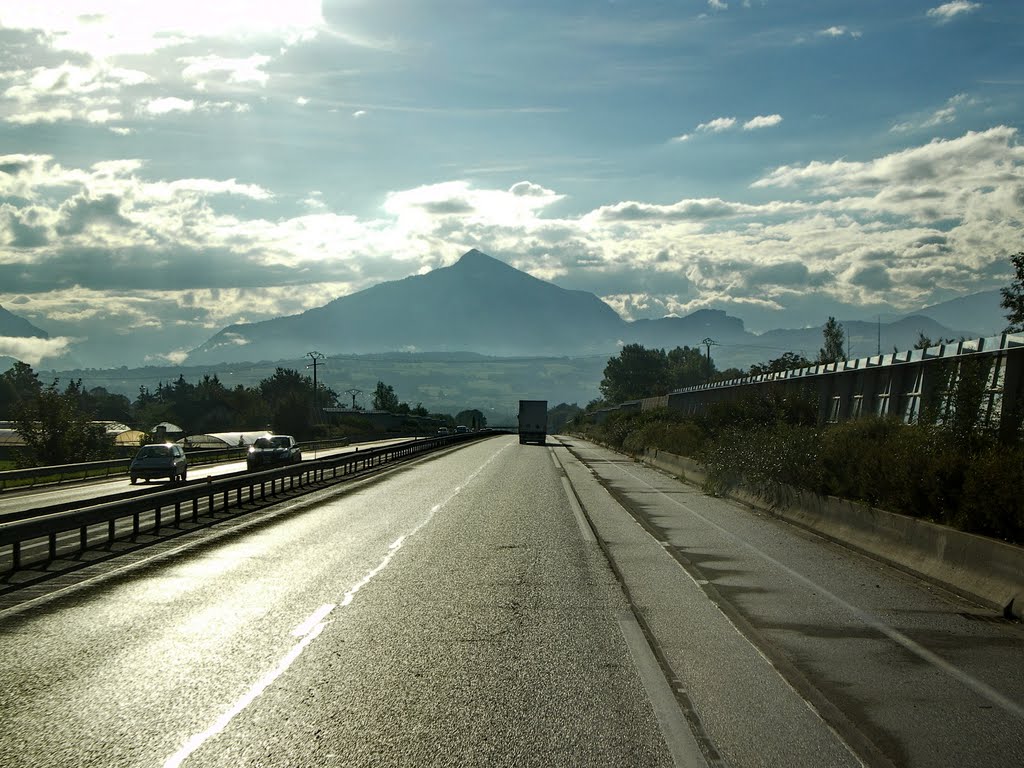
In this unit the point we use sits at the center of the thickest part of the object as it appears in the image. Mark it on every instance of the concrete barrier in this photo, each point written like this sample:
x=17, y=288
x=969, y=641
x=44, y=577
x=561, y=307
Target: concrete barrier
x=984, y=569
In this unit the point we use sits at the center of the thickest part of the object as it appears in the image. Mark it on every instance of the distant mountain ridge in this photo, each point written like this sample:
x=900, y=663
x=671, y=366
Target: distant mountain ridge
x=482, y=305
x=479, y=304
x=18, y=327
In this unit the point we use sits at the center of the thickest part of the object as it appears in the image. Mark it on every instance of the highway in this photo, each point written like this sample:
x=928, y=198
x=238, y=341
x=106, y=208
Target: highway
x=16, y=500
x=504, y=605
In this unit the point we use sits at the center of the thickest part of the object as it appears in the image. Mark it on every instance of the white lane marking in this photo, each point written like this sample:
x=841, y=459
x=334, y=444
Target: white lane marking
x=581, y=519
x=982, y=689
x=198, y=739
x=577, y=511
x=310, y=629
x=318, y=615
x=681, y=742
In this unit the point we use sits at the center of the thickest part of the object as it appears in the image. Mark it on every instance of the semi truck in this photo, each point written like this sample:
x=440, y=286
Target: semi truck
x=533, y=421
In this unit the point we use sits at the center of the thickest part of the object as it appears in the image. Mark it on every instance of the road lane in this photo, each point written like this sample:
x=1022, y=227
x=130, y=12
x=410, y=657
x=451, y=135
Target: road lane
x=892, y=662
x=30, y=498
x=470, y=625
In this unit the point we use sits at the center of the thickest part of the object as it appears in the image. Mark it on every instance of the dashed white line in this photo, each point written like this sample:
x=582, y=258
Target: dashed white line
x=308, y=631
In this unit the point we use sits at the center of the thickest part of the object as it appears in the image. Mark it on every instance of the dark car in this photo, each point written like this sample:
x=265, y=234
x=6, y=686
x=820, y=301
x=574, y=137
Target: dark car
x=272, y=450
x=159, y=460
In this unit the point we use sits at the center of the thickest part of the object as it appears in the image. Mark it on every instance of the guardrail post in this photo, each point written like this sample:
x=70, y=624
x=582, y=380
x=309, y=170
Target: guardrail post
x=156, y=523
x=53, y=546
x=111, y=524
x=195, y=509
x=225, y=499
x=177, y=514
x=83, y=540
x=135, y=524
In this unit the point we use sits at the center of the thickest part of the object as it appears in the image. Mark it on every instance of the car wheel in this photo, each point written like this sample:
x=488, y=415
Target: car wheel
x=134, y=480
x=184, y=475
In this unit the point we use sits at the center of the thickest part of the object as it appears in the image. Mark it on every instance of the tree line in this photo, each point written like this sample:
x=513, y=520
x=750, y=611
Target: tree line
x=58, y=422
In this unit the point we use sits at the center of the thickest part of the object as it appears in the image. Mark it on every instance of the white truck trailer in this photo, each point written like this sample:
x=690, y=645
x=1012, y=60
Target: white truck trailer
x=533, y=421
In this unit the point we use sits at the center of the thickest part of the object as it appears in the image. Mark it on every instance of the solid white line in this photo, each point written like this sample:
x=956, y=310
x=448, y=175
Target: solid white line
x=197, y=740
x=577, y=511
x=681, y=742
x=979, y=687
x=309, y=630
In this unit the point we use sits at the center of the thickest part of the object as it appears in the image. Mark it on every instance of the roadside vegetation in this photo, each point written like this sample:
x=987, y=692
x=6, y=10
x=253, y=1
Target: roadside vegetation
x=950, y=470
x=57, y=422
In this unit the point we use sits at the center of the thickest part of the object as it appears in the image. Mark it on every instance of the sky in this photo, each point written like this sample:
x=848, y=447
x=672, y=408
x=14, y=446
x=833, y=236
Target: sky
x=169, y=169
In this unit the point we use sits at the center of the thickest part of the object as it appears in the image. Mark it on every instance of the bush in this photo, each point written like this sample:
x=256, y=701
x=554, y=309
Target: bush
x=771, y=445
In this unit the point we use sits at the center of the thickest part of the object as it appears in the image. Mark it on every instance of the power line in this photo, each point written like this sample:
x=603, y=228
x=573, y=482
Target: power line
x=316, y=357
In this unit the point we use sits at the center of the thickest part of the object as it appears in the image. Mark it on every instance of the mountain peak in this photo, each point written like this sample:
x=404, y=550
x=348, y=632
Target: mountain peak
x=473, y=256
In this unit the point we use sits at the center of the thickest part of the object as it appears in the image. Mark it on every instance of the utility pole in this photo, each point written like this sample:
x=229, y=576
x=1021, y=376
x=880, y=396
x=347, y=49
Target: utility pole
x=353, y=393
x=316, y=357
x=708, y=343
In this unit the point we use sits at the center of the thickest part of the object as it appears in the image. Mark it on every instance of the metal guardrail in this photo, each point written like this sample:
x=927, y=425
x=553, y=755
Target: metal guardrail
x=92, y=469
x=203, y=496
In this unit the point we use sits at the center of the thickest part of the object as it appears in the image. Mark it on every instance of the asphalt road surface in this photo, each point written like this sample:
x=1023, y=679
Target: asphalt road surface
x=463, y=610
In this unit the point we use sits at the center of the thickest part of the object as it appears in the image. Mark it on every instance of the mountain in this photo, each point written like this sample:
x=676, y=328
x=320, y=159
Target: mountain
x=478, y=304
x=19, y=327
x=980, y=312
x=482, y=305
x=864, y=338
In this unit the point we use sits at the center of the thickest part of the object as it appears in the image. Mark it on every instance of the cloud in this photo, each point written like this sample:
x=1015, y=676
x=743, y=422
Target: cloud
x=202, y=70
x=33, y=350
x=717, y=5
x=723, y=124
x=114, y=28
x=952, y=161
x=91, y=93
x=838, y=31
x=103, y=246
x=942, y=116
x=717, y=125
x=168, y=104
x=949, y=11
x=762, y=121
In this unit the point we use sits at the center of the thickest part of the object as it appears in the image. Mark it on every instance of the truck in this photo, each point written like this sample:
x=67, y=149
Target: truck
x=533, y=421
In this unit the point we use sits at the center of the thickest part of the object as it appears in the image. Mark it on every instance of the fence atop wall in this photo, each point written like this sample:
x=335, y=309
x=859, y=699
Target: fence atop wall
x=910, y=385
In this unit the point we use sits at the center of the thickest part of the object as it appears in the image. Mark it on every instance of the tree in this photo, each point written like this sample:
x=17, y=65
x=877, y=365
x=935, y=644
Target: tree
x=787, y=362
x=835, y=340
x=57, y=431
x=637, y=372
x=17, y=384
x=561, y=415
x=923, y=342
x=384, y=398
x=1013, y=296
x=686, y=367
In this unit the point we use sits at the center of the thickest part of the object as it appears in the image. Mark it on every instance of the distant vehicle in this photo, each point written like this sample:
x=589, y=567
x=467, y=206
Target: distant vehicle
x=442, y=431
x=159, y=460
x=533, y=421
x=461, y=429
x=272, y=450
